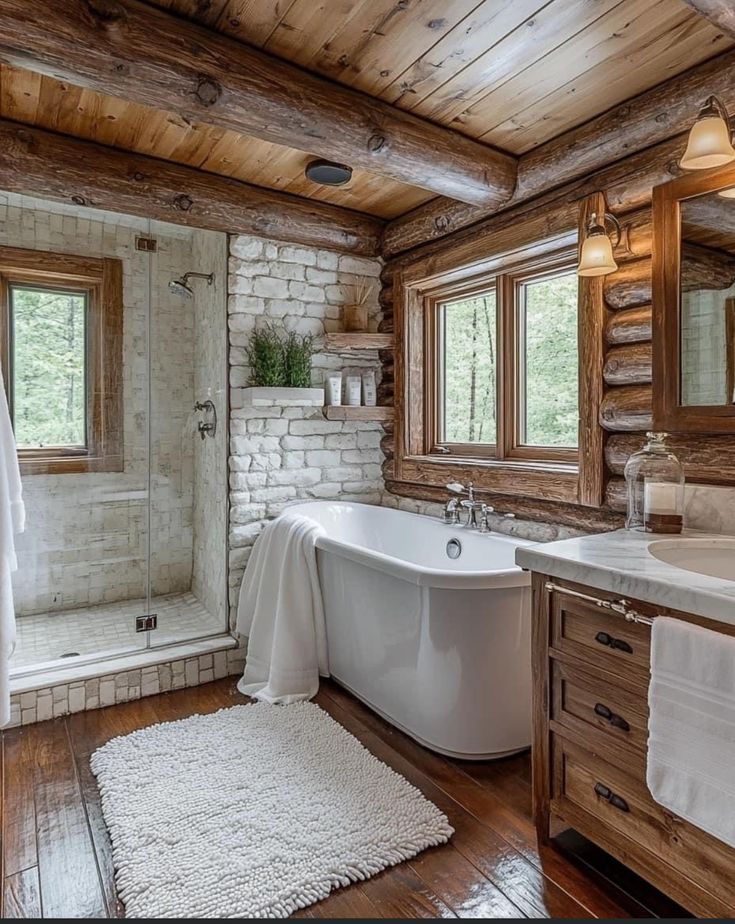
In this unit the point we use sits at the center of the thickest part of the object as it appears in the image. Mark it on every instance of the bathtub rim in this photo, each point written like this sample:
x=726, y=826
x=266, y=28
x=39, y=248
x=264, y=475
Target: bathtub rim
x=417, y=574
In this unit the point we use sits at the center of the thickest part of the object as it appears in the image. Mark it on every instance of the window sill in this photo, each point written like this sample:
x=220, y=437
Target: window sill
x=557, y=481
x=69, y=465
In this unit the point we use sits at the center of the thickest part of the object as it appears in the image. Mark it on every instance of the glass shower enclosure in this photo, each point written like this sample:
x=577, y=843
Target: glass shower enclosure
x=115, y=362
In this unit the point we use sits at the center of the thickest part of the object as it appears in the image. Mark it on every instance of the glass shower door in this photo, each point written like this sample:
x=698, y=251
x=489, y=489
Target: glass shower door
x=188, y=448
x=75, y=303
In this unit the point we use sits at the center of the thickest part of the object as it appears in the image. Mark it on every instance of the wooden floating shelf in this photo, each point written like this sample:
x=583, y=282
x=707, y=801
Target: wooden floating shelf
x=342, y=342
x=343, y=412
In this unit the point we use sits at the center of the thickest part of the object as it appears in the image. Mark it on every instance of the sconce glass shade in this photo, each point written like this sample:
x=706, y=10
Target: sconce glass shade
x=710, y=144
x=596, y=258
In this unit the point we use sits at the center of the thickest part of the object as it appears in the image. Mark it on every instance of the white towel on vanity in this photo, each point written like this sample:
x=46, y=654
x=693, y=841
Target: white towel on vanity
x=691, y=743
x=280, y=610
x=12, y=521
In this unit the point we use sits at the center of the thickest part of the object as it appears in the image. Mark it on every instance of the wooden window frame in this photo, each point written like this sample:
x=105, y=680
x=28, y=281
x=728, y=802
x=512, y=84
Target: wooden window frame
x=101, y=280
x=517, y=247
x=510, y=367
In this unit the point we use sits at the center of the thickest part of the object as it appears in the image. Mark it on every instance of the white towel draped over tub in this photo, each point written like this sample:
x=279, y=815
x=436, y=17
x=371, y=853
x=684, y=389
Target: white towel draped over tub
x=12, y=521
x=691, y=743
x=280, y=610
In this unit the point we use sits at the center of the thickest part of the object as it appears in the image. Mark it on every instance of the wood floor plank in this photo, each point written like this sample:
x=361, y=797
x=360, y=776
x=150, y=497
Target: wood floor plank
x=490, y=869
x=456, y=880
x=522, y=883
x=19, y=809
x=401, y=893
x=87, y=732
x=515, y=829
x=22, y=895
x=67, y=864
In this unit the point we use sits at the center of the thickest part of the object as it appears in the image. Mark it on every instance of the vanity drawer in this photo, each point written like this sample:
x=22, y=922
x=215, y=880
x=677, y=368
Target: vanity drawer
x=601, y=638
x=602, y=714
x=592, y=794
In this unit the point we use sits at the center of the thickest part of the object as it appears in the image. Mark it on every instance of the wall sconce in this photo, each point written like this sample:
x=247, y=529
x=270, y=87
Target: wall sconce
x=596, y=257
x=710, y=140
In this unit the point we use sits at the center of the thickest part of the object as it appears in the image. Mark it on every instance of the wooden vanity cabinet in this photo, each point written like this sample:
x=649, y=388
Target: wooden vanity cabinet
x=591, y=676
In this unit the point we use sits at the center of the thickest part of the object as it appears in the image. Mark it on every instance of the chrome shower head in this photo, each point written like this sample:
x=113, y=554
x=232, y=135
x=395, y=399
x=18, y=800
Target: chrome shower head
x=181, y=286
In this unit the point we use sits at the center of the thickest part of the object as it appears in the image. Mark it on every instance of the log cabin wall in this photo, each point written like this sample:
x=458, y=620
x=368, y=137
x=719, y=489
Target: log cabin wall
x=625, y=412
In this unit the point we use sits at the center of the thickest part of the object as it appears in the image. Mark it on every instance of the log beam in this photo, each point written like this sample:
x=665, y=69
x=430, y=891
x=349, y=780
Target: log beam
x=40, y=163
x=655, y=116
x=144, y=54
x=630, y=364
x=707, y=459
x=720, y=13
x=629, y=325
x=627, y=408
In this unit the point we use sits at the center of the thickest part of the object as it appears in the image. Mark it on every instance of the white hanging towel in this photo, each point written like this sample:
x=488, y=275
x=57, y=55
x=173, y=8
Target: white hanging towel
x=12, y=521
x=691, y=728
x=280, y=610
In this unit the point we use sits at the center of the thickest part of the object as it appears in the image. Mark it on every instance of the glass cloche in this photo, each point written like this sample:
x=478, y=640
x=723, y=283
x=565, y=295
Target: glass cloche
x=655, y=481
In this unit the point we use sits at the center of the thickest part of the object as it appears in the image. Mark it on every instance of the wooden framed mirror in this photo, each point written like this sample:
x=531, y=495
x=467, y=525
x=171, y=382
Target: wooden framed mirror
x=694, y=303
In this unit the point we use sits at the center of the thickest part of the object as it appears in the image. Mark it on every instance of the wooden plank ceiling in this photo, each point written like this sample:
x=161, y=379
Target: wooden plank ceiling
x=511, y=73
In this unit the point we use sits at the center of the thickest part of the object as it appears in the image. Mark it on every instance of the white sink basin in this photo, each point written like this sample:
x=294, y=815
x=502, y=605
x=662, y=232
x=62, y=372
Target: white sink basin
x=714, y=557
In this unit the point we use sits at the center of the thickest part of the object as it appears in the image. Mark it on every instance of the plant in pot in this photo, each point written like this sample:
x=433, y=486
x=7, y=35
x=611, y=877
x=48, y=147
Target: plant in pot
x=278, y=362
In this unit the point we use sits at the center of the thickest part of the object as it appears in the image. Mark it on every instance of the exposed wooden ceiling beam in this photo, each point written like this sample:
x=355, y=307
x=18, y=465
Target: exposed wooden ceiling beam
x=666, y=110
x=41, y=163
x=144, y=54
x=720, y=13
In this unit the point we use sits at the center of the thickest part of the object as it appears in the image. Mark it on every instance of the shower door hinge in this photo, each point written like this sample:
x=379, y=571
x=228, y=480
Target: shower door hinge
x=147, y=244
x=146, y=623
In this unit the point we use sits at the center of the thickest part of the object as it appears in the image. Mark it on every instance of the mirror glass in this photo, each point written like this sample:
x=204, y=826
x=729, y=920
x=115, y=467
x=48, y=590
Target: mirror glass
x=707, y=283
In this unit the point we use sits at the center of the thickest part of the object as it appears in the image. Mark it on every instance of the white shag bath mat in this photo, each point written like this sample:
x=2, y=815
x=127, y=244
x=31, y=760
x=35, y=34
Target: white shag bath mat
x=254, y=811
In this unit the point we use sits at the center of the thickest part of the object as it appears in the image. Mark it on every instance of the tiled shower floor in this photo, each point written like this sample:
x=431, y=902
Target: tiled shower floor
x=110, y=628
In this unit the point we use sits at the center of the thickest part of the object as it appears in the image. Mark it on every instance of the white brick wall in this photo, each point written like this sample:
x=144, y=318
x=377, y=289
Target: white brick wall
x=285, y=455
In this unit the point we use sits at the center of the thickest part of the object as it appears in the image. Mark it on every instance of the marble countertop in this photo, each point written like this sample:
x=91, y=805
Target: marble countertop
x=620, y=562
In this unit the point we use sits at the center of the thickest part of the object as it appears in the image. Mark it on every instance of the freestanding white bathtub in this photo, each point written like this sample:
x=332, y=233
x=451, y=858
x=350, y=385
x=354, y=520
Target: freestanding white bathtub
x=439, y=646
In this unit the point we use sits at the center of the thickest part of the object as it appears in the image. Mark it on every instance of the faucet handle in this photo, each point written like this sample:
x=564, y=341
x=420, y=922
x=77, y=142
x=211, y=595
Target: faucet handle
x=455, y=487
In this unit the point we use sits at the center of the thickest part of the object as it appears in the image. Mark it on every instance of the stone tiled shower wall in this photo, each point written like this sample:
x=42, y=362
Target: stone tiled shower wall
x=86, y=536
x=281, y=455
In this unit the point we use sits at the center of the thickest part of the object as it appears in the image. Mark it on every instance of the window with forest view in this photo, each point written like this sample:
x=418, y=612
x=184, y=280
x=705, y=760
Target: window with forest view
x=506, y=384
x=48, y=363
x=61, y=326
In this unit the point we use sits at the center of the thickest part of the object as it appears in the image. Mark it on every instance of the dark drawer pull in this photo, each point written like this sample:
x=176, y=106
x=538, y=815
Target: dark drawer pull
x=604, y=639
x=617, y=720
x=604, y=792
x=619, y=803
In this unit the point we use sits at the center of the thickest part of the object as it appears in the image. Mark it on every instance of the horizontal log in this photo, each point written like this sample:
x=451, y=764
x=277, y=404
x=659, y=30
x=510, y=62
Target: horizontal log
x=629, y=325
x=40, y=163
x=707, y=459
x=388, y=445
x=631, y=286
x=705, y=268
x=627, y=408
x=627, y=185
x=144, y=54
x=654, y=123
x=637, y=236
x=586, y=519
x=616, y=495
x=385, y=325
x=628, y=365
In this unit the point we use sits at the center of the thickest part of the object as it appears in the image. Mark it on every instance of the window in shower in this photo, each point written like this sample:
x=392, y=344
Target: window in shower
x=60, y=332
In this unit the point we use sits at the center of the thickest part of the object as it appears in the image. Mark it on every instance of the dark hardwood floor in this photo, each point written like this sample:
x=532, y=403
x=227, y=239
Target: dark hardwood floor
x=57, y=861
